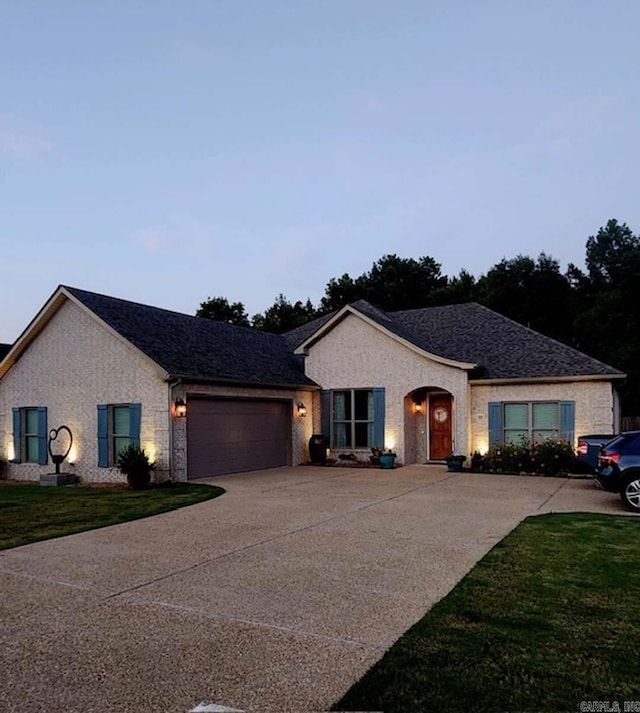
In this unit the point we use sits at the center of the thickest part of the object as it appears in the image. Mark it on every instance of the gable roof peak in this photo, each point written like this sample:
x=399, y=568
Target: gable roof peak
x=183, y=346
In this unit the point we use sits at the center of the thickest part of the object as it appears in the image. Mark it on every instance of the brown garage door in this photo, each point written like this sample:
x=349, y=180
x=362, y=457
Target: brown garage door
x=235, y=435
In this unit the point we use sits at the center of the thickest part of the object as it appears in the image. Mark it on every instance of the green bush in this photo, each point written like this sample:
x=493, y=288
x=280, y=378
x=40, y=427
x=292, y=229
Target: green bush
x=135, y=464
x=548, y=457
x=3, y=467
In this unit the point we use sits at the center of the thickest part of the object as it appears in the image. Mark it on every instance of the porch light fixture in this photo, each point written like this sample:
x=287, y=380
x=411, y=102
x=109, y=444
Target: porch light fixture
x=417, y=407
x=302, y=409
x=179, y=408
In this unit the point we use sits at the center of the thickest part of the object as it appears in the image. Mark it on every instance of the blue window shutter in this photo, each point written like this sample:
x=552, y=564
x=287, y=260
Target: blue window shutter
x=43, y=436
x=134, y=423
x=567, y=420
x=495, y=423
x=378, y=417
x=325, y=414
x=17, y=436
x=103, y=436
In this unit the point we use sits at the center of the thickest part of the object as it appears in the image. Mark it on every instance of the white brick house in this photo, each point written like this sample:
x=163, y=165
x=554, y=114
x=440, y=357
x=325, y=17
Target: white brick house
x=424, y=382
x=111, y=371
x=456, y=378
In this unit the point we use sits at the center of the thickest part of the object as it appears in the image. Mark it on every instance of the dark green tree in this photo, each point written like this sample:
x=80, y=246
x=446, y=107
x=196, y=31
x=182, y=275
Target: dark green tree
x=218, y=308
x=343, y=290
x=608, y=321
x=532, y=292
x=393, y=283
x=283, y=316
x=459, y=289
x=613, y=255
x=396, y=283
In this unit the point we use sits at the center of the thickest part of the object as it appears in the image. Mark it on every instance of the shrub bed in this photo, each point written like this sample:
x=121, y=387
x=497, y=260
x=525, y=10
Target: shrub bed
x=550, y=456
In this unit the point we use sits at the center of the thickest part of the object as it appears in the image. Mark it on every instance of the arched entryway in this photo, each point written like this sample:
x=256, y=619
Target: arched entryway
x=429, y=424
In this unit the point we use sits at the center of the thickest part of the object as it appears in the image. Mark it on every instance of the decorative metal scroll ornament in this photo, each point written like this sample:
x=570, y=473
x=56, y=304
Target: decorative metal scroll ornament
x=58, y=458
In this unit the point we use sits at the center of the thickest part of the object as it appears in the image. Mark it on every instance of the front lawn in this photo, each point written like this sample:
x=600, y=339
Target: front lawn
x=549, y=618
x=31, y=512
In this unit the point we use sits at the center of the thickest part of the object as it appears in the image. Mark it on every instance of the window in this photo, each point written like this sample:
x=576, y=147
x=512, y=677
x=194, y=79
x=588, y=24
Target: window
x=118, y=427
x=534, y=420
x=30, y=436
x=353, y=418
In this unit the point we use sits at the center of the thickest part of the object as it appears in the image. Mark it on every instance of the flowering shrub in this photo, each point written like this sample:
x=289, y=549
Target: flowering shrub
x=548, y=456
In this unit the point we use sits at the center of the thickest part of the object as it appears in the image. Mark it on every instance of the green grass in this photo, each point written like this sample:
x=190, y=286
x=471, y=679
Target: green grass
x=29, y=513
x=549, y=618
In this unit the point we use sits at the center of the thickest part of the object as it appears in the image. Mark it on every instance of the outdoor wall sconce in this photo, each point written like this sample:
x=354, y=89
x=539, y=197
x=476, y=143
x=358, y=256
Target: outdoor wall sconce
x=417, y=408
x=179, y=408
x=302, y=409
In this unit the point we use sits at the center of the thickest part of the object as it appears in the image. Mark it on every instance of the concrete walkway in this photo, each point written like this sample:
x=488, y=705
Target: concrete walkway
x=274, y=597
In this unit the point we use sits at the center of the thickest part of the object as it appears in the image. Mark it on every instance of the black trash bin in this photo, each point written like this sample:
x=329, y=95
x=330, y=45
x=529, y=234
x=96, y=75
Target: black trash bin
x=318, y=449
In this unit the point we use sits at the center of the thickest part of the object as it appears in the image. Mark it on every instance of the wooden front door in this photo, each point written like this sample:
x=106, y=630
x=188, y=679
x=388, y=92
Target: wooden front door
x=439, y=426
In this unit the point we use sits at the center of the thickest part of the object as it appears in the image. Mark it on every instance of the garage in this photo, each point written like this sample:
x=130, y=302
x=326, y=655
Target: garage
x=235, y=435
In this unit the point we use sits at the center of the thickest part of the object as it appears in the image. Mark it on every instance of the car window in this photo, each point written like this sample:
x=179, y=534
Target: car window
x=628, y=442
x=618, y=443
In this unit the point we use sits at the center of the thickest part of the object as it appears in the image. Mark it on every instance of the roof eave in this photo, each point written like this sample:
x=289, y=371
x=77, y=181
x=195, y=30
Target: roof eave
x=162, y=372
x=303, y=349
x=33, y=329
x=44, y=316
x=190, y=379
x=547, y=379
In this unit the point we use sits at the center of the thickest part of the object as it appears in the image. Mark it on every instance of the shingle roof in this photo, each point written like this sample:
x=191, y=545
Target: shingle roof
x=199, y=348
x=502, y=348
x=300, y=334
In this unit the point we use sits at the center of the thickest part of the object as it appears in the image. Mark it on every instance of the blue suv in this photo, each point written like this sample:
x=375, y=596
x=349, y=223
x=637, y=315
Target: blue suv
x=618, y=469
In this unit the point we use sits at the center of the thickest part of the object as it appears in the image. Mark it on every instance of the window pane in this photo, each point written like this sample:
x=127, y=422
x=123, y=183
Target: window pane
x=362, y=435
x=32, y=449
x=516, y=416
x=543, y=435
x=545, y=417
x=371, y=436
x=341, y=435
x=363, y=405
x=31, y=421
x=342, y=405
x=121, y=421
x=119, y=444
x=515, y=436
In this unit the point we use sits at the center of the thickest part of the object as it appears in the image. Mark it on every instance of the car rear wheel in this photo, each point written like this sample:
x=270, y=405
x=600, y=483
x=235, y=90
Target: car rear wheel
x=630, y=493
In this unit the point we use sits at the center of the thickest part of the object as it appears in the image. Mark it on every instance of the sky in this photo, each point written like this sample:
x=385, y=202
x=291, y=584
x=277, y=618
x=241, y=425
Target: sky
x=167, y=152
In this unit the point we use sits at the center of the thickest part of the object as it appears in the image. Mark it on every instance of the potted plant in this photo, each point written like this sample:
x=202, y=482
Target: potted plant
x=477, y=461
x=387, y=458
x=133, y=462
x=455, y=461
x=374, y=458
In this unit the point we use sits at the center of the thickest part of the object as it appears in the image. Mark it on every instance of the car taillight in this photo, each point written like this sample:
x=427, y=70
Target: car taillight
x=582, y=449
x=609, y=458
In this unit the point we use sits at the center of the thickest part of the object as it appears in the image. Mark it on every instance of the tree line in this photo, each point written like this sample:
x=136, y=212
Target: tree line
x=596, y=310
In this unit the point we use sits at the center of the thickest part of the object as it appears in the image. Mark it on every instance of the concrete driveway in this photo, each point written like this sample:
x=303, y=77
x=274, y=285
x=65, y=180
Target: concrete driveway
x=274, y=597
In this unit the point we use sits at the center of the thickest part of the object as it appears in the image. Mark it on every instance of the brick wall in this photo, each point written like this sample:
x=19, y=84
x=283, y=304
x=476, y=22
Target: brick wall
x=302, y=428
x=357, y=355
x=74, y=365
x=595, y=406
